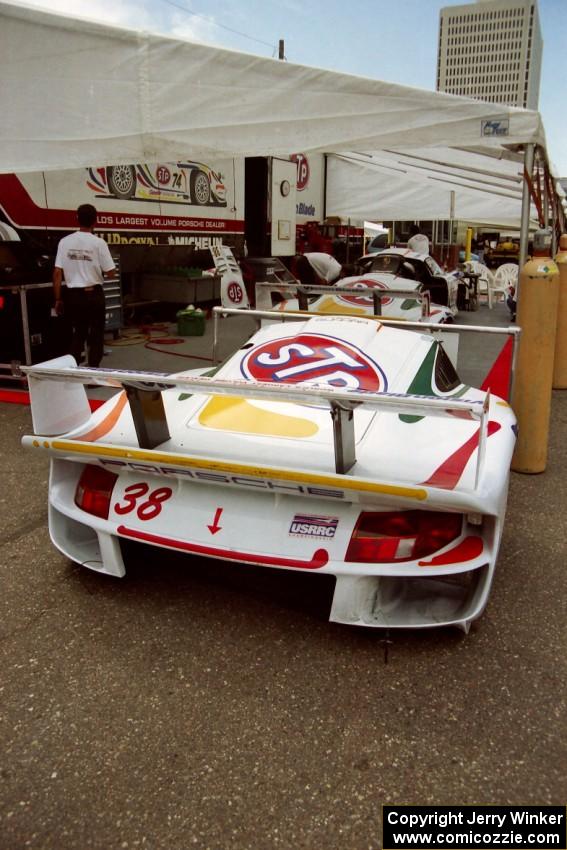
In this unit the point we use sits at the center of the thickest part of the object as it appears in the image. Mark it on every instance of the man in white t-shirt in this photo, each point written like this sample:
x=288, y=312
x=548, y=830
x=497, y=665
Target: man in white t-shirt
x=84, y=262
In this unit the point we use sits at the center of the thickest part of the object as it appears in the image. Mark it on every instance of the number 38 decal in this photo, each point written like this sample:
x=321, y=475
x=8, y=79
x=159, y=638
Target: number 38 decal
x=150, y=507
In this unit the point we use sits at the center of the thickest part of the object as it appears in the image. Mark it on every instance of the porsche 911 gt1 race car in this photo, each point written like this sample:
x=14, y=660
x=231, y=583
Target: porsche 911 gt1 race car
x=333, y=444
x=443, y=287
x=355, y=296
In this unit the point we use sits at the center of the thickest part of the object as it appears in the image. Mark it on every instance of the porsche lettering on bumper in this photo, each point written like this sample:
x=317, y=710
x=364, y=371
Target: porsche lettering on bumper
x=222, y=478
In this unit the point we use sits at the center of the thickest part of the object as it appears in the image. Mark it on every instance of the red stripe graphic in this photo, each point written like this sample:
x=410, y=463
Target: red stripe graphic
x=23, y=397
x=498, y=378
x=448, y=474
x=467, y=550
x=22, y=211
x=319, y=559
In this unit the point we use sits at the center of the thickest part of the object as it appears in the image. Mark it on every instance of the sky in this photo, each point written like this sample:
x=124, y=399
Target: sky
x=391, y=40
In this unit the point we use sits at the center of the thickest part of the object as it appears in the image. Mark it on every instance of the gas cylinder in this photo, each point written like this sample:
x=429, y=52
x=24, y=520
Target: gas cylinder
x=560, y=364
x=537, y=317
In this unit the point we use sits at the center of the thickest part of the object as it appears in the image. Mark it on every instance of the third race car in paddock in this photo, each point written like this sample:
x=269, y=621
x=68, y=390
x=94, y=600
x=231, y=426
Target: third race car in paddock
x=333, y=445
x=401, y=262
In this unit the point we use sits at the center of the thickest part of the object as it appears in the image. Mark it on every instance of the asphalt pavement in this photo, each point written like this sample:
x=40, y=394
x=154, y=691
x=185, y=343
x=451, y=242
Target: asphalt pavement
x=202, y=704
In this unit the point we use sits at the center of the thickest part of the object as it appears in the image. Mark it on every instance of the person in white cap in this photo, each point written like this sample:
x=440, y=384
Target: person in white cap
x=418, y=242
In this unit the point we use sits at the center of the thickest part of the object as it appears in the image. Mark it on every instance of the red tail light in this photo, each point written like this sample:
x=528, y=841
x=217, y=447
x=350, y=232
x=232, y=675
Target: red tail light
x=94, y=491
x=399, y=536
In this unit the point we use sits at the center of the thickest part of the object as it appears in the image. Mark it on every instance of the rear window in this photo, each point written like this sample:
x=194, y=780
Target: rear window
x=385, y=263
x=446, y=378
x=379, y=241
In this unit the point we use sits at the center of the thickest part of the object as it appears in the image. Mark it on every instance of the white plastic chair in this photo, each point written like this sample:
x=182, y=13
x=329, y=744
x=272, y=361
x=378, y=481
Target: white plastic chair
x=485, y=281
x=505, y=276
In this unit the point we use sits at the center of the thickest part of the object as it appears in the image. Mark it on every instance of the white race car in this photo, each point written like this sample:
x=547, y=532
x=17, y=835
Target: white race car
x=403, y=299
x=330, y=444
x=442, y=286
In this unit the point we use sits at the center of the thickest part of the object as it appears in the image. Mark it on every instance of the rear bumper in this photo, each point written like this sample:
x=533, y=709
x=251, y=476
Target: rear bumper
x=375, y=601
x=370, y=595
x=96, y=549
x=395, y=602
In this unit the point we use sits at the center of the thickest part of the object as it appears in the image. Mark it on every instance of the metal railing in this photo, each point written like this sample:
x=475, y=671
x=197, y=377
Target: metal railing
x=374, y=292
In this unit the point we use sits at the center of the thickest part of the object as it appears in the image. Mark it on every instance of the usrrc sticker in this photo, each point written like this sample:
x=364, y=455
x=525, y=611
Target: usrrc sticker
x=313, y=526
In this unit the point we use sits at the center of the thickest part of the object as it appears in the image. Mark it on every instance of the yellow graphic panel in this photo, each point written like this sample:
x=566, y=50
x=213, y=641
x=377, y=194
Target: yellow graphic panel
x=237, y=414
x=330, y=305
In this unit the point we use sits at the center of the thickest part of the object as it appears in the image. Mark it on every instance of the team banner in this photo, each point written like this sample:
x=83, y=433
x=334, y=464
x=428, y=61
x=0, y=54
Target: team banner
x=464, y=827
x=158, y=201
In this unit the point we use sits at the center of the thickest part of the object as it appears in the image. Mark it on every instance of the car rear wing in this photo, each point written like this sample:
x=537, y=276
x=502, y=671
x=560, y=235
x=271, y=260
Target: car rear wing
x=305, y=292
x=52, y=398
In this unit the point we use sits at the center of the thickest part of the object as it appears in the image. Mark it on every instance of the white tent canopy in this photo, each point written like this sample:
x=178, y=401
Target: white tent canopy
x=76, y=92
x=426, y=184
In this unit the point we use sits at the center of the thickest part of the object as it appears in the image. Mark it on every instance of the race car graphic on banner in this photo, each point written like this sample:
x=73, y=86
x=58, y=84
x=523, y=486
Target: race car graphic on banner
x=183, y=182
x=186, y=203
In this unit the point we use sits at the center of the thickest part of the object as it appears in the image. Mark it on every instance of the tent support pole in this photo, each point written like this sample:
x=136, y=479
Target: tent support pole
x=451, y=228
x=324, y=186
x=525, y=220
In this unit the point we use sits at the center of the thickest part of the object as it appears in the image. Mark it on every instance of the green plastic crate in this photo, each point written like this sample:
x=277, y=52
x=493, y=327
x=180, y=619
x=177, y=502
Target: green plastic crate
x=190, y=323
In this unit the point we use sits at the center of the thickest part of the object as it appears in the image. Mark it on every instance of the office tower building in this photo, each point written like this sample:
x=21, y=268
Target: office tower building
x=491, y=50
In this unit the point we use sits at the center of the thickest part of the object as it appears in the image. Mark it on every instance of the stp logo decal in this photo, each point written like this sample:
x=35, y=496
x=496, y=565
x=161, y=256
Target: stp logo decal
x=163, y=174
x=235, y=292
x=314, y=359
x=302, y=170
x=363, y=300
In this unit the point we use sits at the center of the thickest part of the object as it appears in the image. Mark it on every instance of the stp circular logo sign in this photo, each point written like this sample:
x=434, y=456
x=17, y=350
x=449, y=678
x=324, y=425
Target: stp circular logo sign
x=302, y=170
x=163, y=174
x=235, y=293
x=314, y=359
x=363, y=300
